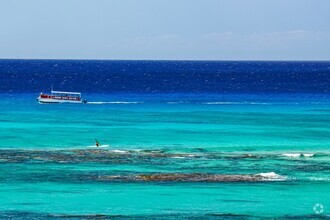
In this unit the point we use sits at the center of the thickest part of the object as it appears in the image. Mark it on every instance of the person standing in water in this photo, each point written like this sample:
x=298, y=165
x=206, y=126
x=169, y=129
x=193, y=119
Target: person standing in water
x=97, y=144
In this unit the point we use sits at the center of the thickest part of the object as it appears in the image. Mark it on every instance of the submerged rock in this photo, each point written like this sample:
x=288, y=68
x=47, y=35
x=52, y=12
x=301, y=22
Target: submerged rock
x=192, y=177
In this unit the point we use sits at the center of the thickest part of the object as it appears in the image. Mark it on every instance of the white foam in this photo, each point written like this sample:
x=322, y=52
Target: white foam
x=115, y=102
x=125, y=102
x=295, y=155
x=96, y=103
x=222, y=103
x=271, y=176
x=237, y=103
x=178, y=157
x=101, y=146
x=120, y=151
x=291, y=155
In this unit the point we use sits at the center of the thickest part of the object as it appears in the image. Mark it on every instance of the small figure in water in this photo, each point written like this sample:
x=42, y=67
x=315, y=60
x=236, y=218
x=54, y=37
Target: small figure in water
x=97, y=143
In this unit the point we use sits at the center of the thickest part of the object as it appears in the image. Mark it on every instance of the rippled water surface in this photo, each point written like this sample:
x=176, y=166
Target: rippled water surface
x=176, y=154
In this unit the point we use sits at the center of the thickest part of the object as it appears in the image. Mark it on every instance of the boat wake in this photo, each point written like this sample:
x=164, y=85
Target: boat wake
x=113, y=102
x=238, y=103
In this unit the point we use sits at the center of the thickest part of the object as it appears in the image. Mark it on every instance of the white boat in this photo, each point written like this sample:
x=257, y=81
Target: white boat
x=61, y=97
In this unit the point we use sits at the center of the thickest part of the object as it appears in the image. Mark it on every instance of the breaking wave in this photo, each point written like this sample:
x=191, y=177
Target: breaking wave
x=175, y=166
x=271, y=176
x=297, y=155
x=107, y=153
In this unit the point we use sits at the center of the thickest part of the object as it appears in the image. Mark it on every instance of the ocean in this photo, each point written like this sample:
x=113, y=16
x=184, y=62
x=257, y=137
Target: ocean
x=188, y=139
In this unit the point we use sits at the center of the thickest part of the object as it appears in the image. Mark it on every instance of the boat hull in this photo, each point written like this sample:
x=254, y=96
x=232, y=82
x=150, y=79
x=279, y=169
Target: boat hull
x=61, y=97
x=50, y=100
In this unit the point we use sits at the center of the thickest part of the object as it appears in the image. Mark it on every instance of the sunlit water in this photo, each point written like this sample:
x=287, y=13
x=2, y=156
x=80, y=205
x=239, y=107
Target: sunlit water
x=50, y=166
x=171, y=154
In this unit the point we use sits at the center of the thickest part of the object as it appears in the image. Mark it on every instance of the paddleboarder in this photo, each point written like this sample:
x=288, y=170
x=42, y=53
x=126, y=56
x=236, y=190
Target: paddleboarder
x=97, y=144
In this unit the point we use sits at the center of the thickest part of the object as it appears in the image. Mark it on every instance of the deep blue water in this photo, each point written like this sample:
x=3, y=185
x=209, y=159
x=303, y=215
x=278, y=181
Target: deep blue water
x=165, y=76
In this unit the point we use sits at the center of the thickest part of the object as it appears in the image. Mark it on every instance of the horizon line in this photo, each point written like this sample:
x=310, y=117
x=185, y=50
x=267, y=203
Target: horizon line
x=211, y=60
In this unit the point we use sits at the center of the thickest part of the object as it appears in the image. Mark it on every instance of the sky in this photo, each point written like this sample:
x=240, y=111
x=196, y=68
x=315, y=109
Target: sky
x=165, y=29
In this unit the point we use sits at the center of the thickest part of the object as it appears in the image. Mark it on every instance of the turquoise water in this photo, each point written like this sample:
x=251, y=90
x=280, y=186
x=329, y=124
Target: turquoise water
x=50, y=167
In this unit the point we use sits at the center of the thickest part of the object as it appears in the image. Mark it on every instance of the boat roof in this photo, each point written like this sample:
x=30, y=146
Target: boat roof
x=75, y=93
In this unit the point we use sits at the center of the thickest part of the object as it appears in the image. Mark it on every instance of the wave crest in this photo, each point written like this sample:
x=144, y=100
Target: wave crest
x=296, y=155
x=271, y=176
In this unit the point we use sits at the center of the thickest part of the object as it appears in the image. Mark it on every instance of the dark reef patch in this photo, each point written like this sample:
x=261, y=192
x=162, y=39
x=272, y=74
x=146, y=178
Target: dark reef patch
x=20, y=215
